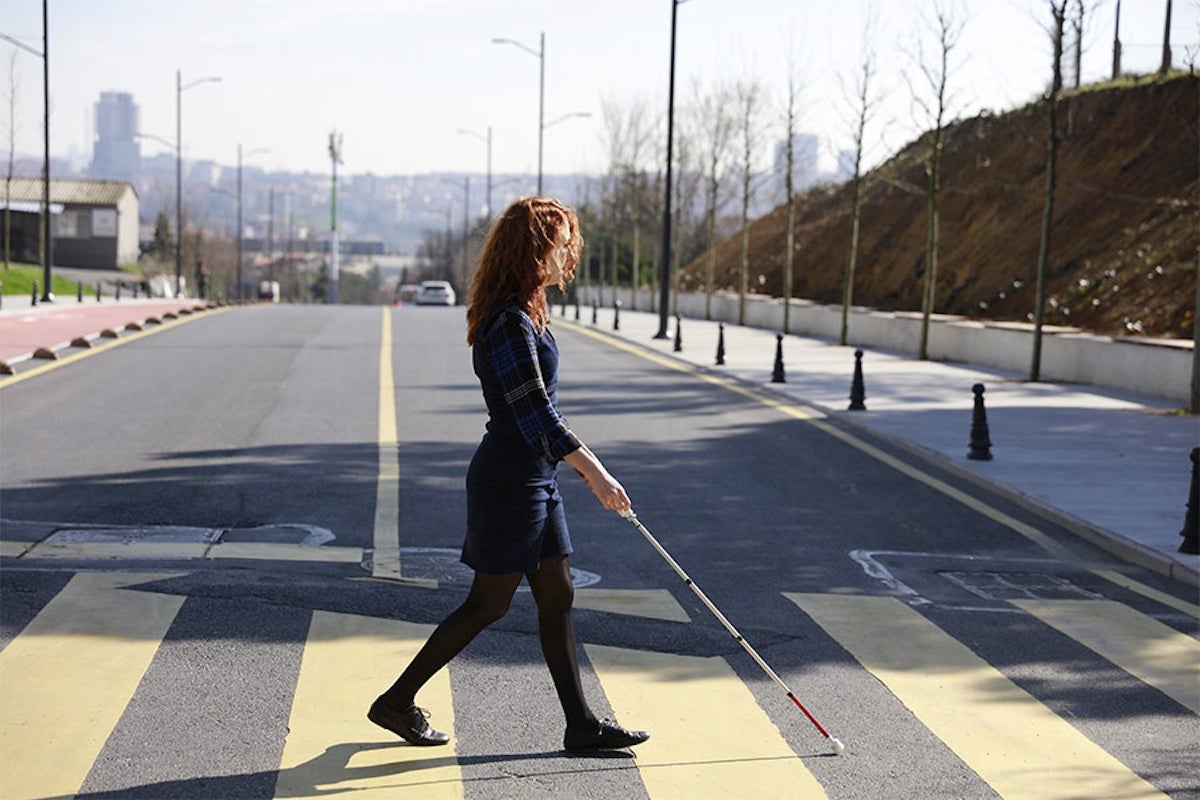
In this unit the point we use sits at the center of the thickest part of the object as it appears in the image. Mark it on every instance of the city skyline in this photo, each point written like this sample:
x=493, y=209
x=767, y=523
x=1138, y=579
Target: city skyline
x=419, y=72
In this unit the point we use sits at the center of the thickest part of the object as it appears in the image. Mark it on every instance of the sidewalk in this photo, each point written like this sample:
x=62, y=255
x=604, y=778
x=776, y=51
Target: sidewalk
x=1112, y=467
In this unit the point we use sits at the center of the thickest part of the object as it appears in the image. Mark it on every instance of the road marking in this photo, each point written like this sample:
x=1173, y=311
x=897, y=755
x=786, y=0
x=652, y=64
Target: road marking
x=818, y=420
x=1153, y=652
x=1125, y=582
x=386, y=558
x=1011, y=740
x=649, y=603
x=68, y=676
x=708, y=735
x=331, y=747
x=12, y=380
x=264, y=551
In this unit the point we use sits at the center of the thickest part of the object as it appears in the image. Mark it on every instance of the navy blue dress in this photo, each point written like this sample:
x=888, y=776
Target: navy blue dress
x=515, y=515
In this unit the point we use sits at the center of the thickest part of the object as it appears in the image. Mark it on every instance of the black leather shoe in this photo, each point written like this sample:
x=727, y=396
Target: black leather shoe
x=604, y=735
x=410, y=724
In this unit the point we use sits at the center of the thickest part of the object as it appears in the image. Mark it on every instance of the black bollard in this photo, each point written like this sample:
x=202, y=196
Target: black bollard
x=97, y=291
x=79, y=293
x=564, y=305
x=577, y=307
x=720, y=344
x=2, y=296
x=594, y=308
x=1191, y=522
x=117, y=296
x=616, y=315
x=777, y=375
x=678, y=336
x=33, y=300
x=858, y=393
x=980, y=442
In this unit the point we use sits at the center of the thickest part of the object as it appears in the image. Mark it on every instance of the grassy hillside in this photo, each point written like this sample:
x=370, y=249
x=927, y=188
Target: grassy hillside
x=1124, y=245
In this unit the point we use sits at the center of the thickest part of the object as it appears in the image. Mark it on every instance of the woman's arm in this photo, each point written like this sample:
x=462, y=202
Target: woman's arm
x=608, y=491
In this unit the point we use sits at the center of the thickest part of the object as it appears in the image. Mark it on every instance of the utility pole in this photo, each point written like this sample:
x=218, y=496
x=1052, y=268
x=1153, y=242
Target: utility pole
x=335, y=156
x=664, y=288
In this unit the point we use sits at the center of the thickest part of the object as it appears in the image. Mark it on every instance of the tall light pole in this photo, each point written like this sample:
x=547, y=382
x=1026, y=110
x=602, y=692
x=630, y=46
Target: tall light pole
x=335, y=156
x=180, y=88
x=664, y=290
x=48, y=238
x=240, y=226
x=541, y=57
x=488, y=139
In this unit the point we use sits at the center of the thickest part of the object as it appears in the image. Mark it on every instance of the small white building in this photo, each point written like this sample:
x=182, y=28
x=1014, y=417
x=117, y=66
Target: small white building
x=94, y=223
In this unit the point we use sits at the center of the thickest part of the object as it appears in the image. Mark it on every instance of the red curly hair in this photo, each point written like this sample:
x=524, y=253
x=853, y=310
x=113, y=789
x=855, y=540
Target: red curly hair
x=515, y=261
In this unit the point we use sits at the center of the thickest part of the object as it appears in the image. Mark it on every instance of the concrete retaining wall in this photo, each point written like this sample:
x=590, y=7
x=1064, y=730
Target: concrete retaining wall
x=1156, y=367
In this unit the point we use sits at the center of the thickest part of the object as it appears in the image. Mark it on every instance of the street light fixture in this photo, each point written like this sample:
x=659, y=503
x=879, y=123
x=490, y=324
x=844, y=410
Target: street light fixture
x=541, y=56
x=488, y=139
x=180, y=88
x=240, y=227
x=44, y=55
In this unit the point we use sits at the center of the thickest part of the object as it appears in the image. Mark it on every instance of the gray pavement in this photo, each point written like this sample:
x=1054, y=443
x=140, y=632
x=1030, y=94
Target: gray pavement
x=1111, y=467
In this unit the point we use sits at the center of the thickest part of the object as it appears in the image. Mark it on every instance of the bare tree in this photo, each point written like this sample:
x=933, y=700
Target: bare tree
x=864, y=109
x=933, y=102
x=1116, y=67
x=1165, y=67
x=716, y=136
x=1058, y=11
x=789, y=189
x=749, y=109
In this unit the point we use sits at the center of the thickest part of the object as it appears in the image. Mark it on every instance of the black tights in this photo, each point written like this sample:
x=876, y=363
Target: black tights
x=488, y=602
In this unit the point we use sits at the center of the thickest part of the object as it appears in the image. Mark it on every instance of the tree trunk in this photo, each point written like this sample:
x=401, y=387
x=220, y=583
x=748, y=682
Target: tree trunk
x=1035, y=369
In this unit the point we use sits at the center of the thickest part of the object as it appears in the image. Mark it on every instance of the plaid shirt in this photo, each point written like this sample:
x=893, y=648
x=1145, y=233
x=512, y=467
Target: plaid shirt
x=519, y=373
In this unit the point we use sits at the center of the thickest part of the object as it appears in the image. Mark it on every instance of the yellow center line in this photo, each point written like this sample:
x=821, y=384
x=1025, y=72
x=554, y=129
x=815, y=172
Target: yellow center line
x=819, y=421
x=386, y=558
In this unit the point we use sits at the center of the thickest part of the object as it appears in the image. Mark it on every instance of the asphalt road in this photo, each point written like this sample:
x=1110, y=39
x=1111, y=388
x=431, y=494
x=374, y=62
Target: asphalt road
x=955, y=656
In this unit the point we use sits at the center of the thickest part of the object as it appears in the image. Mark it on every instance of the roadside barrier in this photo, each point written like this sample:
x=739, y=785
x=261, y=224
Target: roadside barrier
x=721, y=344
x=777, y=375
x=858, y=393
x=981, y=443
x=678, y=336
x=1191, y=521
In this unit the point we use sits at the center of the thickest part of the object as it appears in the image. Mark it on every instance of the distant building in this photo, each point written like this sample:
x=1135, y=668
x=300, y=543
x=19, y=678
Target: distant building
x=94, y=223
x=116, y=154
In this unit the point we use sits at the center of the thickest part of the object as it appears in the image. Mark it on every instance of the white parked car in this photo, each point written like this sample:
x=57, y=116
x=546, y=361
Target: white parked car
x=435, y=293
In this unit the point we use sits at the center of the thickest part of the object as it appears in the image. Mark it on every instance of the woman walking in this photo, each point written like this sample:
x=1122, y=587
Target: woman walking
x=516, y=525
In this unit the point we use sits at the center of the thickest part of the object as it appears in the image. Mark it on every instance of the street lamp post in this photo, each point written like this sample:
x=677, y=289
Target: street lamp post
x=541, y=57
x=240, y=225
x=488, y=139
x=664, y=290
x=180, y=88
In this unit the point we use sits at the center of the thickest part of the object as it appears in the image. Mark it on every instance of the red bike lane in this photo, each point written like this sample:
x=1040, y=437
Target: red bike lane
x=23, y=332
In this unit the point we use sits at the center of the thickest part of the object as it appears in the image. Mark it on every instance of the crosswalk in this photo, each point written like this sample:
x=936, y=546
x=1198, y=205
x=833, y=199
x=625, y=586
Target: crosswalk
x=70, y=672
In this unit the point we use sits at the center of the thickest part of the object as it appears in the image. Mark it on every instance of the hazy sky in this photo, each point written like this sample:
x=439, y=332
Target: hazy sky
x=398, y=78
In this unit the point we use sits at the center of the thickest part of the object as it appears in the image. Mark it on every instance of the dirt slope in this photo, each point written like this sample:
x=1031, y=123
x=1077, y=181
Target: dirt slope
x=1124, y=244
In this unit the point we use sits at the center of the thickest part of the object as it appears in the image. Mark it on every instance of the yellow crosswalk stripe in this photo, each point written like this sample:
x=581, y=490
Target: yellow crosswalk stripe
x=331, y=747
x=68, y=676
x=1011, y=740
x=649, y=603
x=662, y=693
x=1146, y=648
